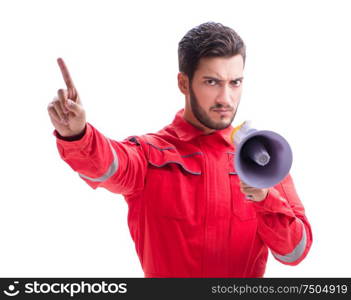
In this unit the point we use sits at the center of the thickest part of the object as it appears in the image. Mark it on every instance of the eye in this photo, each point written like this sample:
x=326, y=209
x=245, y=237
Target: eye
x=211, y=81
x=237, y=82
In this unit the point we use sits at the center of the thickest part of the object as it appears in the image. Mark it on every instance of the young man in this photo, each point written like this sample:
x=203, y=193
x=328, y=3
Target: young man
x=189, y=215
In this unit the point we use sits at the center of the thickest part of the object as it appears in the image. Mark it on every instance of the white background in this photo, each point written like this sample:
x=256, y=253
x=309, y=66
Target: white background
x=123, y=58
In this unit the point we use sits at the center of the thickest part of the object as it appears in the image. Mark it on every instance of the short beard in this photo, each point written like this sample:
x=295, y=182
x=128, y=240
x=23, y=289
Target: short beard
x=203, y=117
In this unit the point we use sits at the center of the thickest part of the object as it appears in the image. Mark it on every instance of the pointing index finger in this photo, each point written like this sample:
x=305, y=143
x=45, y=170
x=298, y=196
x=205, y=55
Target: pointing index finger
x=65, y=73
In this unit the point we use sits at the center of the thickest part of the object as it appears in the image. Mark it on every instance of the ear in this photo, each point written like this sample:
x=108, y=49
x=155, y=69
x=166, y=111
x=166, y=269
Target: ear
x=183, y=83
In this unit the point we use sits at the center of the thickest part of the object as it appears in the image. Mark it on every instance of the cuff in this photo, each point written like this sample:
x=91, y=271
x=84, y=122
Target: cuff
x=77, y=141
x=274, y=203
x=71, y=138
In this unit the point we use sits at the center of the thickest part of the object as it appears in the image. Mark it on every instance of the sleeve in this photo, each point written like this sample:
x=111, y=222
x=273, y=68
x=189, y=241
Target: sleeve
x=282, y=223
x=120, y=167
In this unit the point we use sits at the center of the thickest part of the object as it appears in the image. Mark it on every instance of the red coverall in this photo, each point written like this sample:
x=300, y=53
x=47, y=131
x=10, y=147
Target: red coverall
x=187, y=215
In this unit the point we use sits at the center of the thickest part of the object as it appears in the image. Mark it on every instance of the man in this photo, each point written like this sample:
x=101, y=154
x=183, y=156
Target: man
x=189, y=213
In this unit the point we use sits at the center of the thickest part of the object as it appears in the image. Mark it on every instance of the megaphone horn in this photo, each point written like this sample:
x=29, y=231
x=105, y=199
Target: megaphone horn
x=262, y=158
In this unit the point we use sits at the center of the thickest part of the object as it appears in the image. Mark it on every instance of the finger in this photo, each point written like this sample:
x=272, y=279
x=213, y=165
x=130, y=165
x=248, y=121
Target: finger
x=73, y=107
x=58, y=108
x=248, y=190
x=63, y=97
x=53, y=113
x=65, y=73
x=243, y=184
x=244, y=187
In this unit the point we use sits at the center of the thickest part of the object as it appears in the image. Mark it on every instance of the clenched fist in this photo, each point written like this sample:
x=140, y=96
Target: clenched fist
x=252, y=193
x=66, y=111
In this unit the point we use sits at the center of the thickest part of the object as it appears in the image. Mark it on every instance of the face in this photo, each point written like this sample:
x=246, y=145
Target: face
x=215, y=92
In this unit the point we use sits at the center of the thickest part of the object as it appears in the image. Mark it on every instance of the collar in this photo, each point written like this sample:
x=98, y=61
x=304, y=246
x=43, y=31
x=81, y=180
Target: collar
x=186, y=131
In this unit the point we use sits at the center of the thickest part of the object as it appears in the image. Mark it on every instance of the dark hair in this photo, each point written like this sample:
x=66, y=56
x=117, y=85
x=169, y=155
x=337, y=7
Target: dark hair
x=208, y=40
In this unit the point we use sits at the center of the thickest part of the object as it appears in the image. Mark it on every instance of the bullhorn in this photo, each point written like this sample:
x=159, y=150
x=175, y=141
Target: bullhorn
x=262, y=158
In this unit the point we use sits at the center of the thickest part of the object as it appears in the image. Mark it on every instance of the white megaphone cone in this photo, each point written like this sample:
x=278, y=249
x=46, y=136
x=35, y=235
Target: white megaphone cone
x=262, y=158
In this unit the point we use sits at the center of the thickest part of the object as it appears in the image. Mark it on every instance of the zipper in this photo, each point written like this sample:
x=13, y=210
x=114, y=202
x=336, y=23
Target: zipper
x=206, y=185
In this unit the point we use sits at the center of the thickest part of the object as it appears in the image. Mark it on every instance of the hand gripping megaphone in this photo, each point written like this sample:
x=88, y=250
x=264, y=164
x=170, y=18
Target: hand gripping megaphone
x=262, y=158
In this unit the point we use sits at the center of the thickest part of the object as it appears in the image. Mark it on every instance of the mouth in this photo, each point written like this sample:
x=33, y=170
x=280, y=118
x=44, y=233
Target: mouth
x=223, y=112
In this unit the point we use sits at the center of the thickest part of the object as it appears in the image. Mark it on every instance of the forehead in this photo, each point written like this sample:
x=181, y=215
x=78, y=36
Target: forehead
x=222, y=67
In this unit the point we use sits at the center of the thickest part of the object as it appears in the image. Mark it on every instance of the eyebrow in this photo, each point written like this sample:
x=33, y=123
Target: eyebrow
x=220, y=80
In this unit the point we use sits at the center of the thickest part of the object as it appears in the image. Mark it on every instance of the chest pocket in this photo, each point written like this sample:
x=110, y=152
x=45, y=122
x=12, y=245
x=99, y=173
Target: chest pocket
x=241, y=207
x=174, y=182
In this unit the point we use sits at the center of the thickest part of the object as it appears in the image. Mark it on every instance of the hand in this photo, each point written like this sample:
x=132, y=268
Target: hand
x=66, y=111
x=253, y=193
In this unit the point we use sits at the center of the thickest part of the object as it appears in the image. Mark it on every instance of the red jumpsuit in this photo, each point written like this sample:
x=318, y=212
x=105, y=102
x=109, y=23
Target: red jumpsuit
x=187, y=215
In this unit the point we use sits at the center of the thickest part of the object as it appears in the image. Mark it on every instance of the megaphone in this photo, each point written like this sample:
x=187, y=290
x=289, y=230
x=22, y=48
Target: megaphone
x=262, y=158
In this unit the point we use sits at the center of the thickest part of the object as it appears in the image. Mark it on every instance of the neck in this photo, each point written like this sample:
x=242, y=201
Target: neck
x=189, y=117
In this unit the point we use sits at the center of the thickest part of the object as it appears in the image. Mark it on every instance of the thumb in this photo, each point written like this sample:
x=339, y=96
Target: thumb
x=73, y=106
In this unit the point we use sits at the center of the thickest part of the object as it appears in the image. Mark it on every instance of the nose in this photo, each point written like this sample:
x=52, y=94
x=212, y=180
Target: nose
x=225, y=97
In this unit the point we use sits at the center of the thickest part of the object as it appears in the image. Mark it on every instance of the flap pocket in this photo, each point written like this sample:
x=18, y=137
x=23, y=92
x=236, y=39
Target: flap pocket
x=161, y=157
x=174, y=182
